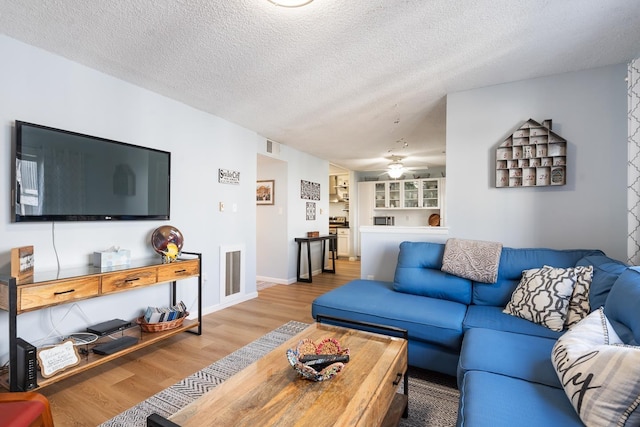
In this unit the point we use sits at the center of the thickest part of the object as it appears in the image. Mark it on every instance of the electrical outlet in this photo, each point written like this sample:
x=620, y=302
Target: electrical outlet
x=221, y=207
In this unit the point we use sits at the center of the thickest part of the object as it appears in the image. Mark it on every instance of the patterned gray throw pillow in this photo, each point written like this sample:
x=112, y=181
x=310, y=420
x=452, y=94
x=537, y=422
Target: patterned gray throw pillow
x=543, y=295
x=579, y=306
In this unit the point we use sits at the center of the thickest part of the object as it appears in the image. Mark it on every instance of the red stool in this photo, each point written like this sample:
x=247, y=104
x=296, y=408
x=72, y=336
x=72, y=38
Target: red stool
x=25, y=409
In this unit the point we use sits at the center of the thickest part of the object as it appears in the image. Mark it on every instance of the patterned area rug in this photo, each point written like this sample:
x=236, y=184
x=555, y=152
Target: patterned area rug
x=433, y=398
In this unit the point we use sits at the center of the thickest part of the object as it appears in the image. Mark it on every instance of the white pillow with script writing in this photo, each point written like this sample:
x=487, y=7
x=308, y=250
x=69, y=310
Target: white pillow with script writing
x=600, y=374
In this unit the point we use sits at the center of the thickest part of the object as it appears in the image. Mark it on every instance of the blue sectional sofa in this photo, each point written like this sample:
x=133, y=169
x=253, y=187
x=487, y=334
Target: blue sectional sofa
x=457, y=326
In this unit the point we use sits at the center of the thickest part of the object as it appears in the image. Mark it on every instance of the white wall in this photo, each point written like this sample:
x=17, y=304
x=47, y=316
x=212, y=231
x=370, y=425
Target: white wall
x=302, y=166
x=381, y=246
x=287, y=219
x=42, y=88
x=272, y=245
x=589, y=109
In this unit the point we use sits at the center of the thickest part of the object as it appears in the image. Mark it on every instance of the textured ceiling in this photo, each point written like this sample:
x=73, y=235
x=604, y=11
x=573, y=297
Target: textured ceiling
x=341, y=79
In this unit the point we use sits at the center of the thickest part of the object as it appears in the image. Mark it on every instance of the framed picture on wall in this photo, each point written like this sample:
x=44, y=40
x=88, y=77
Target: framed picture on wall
x=22, y=263
x=265, y=192
x=311, y=211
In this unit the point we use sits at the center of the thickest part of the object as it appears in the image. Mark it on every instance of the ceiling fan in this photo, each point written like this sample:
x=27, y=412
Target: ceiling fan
x=396, y=168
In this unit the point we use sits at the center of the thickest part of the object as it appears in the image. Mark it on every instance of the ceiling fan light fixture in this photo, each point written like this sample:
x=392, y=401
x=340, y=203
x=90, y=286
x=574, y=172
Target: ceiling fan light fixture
x=396, y=169
x=290, y=3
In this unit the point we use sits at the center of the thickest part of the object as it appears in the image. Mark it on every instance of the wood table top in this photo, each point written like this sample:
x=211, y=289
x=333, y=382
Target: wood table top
x=270, y=392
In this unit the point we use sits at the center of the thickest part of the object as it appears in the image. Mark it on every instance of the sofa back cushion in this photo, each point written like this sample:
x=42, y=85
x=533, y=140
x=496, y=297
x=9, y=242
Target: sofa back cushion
x=605, y=272
x=418, y=272
x=621, y=307
x=513, y=261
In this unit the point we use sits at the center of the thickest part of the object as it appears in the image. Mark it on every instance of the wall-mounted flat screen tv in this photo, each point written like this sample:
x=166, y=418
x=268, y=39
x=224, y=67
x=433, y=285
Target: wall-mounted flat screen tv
x=58, y=175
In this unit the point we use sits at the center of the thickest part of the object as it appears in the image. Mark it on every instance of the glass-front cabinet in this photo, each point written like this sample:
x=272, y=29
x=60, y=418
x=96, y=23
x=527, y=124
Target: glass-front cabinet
x=430, y=193
x=387, y=194
x=411, y=193
x=408, y=194
x=394, y=194
x=380, y=195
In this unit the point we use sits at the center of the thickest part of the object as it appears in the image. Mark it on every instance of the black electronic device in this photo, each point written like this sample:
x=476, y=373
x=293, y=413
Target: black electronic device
x=109, y=327
x=115, y=346
x=27, y=368
x=58, y=175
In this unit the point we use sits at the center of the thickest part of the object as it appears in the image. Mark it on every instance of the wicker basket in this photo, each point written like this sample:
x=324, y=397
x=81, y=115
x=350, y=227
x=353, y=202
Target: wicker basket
x=160, y=326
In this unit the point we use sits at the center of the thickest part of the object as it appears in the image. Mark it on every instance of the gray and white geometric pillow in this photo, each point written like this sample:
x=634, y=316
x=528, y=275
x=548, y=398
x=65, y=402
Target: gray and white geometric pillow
x=579, y=306
x=542, y=296
x=599, y=373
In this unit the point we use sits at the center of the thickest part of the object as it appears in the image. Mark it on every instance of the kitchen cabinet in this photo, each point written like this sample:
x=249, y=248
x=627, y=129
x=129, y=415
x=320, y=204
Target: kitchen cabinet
x=411, y=194
x=408, y=194
x=387, y=194
x=431, y=193
x=344, y=240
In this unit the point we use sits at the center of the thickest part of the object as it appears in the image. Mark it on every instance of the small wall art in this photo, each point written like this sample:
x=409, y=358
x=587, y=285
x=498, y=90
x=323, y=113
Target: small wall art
x=532, y=156
x=309, y=190
x=22, y=264
x=226, y=176
x=311, y=211
x=265, y=192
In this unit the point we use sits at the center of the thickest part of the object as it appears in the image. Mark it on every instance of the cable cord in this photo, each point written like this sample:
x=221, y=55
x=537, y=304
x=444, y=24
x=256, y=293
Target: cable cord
x=54, y=332
x=53, y=239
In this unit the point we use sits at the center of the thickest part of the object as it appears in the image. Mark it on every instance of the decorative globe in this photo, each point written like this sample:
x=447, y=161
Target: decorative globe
x=167, y=241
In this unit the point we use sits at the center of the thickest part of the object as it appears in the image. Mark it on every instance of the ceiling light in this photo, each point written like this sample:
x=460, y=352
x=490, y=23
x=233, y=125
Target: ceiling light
x=396, y=169
x=290, y=3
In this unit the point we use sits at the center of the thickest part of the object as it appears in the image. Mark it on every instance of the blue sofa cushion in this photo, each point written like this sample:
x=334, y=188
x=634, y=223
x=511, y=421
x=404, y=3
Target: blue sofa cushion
x=515, y=355
x=622, y=306
x=489, y=400
x=426, y=319
x=418, y=272
x=484, y=316
x=514, y=261
x=605, y=272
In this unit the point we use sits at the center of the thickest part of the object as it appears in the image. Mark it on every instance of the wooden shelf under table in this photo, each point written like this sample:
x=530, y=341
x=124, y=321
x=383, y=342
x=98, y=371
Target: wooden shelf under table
x=90, y=360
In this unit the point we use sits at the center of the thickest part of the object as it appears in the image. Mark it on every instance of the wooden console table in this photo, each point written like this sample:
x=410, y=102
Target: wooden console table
x=66, y=286
x=332, y=238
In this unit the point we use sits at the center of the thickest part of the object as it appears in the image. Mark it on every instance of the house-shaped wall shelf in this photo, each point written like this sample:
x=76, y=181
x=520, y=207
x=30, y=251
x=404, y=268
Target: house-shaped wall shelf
x=533, y=156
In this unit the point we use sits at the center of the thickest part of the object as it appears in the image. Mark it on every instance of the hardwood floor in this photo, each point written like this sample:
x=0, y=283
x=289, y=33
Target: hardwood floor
x=99, y=394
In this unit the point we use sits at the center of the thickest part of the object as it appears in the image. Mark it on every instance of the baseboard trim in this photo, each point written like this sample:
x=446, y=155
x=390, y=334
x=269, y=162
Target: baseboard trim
x=218, y=307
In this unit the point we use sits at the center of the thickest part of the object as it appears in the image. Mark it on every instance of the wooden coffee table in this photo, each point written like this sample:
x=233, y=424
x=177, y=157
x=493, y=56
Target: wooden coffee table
x=270, y=392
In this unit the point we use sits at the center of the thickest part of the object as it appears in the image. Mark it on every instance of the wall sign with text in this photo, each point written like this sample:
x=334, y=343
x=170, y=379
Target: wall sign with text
x=226, y=176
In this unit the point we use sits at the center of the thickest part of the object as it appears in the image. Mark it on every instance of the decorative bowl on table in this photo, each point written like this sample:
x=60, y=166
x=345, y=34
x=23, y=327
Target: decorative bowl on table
x=307, y=349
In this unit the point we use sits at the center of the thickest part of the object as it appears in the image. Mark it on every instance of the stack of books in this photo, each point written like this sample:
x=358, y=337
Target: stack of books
x=165, y=314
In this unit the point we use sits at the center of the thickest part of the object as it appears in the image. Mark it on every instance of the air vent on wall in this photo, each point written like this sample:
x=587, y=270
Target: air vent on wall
x=273, y=147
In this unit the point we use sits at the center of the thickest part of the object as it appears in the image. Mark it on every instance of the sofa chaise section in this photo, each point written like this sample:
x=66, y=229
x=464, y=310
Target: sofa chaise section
x=434, y=326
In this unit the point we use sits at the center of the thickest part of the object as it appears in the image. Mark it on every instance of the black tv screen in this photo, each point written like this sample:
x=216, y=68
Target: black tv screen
x=60, y=175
